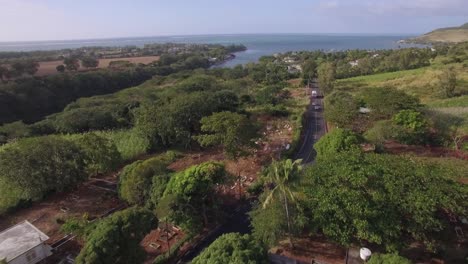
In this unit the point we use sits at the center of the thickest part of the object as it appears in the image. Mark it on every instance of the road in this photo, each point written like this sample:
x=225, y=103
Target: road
x=315, y=127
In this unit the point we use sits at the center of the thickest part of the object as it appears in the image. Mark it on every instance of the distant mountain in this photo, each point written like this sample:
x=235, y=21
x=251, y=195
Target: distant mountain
x=443, y=35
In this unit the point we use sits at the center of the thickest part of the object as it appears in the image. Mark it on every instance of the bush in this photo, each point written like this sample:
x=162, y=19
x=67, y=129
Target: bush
x=388, y=259
x=136, y=180
x=337, y=140
x=414, y=127
x=33, y=167
x=233, y=248
x=382, y=131
x=116, y=239
x=129, y=143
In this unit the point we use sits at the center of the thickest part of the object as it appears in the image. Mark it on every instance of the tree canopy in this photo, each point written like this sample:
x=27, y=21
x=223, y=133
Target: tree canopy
x=336, y=141
x=326, y=77
x=341, y=109
x=191, y=192
x=380, y=198
x=136, y=180
x=231, y=130
x=233, y=248
x=388, y=259
x=32, y=167
x=116, y=239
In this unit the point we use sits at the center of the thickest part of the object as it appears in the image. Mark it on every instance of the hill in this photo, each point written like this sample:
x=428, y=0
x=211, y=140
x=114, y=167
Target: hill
x=444, y=35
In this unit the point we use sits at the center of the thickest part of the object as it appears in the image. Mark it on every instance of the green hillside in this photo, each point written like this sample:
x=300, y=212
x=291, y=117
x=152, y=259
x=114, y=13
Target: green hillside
x=444, y=35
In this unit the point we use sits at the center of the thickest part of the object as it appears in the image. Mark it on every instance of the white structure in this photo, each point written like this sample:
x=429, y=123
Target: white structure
x=23, y=244
x=365, y=253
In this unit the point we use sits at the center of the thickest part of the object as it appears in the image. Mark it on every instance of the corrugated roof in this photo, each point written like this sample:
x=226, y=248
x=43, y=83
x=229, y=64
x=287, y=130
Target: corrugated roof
x=19, y=239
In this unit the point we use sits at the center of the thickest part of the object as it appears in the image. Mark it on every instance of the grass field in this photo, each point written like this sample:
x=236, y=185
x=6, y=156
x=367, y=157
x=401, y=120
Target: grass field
x=49, y=67
x=422, y=83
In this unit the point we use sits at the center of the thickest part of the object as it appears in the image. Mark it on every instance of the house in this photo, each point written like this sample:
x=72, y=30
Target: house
x=354, y=63
x=23, y=244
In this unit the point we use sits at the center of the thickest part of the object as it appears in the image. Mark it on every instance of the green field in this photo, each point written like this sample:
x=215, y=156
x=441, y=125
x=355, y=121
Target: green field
x=422, y=83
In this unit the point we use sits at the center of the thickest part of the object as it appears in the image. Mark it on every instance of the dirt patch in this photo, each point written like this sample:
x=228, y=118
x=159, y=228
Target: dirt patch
x=48, y=215
x=312, y=248
x=393, y=147
x=159, y=240
x=49, y=67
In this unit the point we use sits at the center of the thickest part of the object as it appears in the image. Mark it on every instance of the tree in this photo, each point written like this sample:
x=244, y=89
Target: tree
x=89, y=62
x=388, y=259
x=382, y=199
x=233, y=248
x=191, y=192
x=448, y=82
x=33, y=167
x=283, y=175
x=60, y=68
x=176, y=122
x=135, y=180
x=337, y=140
x=326, y=77
x=381, y=131
x=384, y=102
x=341, y=109
x=309, y=71
x=415, y=127
x=269, y=223
x=116, y=239
x=101, y=154
x=71, y=63
x=20, y=67
x=231, y=130
x=4, y=73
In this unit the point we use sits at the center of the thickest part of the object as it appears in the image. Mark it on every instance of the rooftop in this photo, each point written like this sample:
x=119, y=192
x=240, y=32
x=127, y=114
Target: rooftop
x=19, y=239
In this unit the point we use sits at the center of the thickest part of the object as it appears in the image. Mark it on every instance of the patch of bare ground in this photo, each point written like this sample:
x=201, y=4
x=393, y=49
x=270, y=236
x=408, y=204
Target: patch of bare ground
x=394, y=147
x=50, y=67
x=307, y=249
x=160, y=240
x=95, y=198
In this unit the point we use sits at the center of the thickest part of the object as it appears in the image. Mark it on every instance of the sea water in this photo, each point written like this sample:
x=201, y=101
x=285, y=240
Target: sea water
x=257, y=44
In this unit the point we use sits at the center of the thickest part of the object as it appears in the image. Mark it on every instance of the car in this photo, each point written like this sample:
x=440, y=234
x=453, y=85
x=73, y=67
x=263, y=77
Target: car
x=314, y=103
x=317, y=107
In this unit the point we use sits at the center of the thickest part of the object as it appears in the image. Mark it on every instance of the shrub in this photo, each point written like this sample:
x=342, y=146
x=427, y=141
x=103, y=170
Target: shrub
x=233, y=248
x=336, y=141
x=388, y=259
x=116, y=239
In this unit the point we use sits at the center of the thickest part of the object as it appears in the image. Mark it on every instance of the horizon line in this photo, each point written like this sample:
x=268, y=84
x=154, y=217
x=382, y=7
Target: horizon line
x=210, y=34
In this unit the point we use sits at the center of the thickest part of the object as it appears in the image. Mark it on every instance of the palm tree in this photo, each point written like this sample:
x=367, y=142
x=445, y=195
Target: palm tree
x=283, y=175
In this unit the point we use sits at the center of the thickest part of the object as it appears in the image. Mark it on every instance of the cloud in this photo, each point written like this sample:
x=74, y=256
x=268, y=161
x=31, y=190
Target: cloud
x=419, y=8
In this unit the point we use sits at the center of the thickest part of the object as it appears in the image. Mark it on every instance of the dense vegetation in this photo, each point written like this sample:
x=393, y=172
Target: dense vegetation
x=232, y=249
x=116, y=239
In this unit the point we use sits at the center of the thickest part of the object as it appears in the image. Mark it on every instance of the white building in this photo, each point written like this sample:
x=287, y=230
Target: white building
x=23, y=244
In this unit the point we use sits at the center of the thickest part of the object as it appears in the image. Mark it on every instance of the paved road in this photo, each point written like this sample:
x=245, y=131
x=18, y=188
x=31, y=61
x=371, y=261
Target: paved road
x=314, y=125
x=314, y=128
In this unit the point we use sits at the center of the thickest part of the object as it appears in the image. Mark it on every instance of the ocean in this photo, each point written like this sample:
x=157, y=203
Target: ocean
x=258, y=45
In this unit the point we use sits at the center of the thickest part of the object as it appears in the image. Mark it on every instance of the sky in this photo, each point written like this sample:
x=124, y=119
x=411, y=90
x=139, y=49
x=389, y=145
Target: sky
x=29, y=20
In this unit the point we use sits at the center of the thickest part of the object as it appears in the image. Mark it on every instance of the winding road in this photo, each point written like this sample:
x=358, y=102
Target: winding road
x=314, y=128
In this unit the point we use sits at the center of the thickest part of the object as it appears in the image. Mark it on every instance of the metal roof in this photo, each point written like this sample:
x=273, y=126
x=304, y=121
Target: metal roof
x=19, y=239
